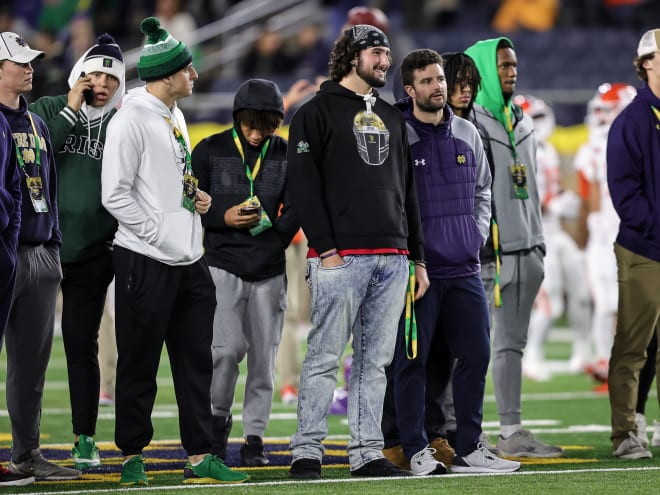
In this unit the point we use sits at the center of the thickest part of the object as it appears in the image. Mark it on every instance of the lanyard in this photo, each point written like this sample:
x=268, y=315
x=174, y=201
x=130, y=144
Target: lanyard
x=250, y=174
x=509, y=130
x=37, y=154
x=410, y=329
x=182, y=142
x=656, y=112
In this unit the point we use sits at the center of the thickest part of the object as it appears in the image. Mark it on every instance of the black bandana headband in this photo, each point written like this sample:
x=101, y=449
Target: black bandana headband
x=364, y=36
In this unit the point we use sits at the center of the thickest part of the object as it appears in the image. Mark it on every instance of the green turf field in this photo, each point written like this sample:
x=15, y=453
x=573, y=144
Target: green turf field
x=563, y=411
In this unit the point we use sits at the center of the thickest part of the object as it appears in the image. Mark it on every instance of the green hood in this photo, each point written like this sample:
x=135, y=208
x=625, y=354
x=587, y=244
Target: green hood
x=484, y=54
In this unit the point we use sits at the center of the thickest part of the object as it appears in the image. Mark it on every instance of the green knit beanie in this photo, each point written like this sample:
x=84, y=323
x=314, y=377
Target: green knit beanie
x=162, y=55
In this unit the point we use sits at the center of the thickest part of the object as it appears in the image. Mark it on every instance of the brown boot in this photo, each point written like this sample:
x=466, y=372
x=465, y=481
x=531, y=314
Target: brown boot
x=443, y=451
x=396, y=457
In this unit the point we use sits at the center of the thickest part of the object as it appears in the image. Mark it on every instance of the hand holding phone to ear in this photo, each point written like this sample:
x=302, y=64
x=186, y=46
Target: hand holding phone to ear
x=81, y=91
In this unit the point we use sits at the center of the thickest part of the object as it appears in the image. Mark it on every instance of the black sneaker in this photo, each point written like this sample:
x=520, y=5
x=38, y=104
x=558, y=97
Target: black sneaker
x=381, y=468
x=252, y=452
x=7, y=478
x=305, y=469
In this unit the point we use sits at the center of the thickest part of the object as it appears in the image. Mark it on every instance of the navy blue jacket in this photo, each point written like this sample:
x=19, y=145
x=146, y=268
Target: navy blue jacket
x=36, y=228
x=453, y=188
x=633, y=174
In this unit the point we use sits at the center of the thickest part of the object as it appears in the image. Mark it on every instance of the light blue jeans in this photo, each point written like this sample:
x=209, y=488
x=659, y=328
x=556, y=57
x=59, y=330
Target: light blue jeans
x=364, y=298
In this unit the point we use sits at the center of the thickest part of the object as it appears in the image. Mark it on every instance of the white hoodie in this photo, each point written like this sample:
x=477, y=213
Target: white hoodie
x=142, y=181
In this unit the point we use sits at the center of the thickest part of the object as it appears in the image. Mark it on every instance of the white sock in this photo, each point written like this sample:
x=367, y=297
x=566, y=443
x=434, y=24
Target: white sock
x=507, y=430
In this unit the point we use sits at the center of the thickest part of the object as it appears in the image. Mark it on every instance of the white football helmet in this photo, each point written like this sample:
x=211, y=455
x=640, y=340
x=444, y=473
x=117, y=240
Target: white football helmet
x=605, y=105
x=540, y=112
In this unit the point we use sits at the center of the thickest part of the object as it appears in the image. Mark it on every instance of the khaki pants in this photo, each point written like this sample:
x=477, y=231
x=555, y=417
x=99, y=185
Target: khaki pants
x=639, y=312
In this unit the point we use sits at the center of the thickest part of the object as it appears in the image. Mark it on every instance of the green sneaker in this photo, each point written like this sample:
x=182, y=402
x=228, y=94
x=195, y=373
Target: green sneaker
x=85, y=453
x=132, y=472
x=212, y=470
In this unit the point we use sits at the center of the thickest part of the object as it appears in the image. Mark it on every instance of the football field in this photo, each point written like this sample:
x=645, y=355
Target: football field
x=563, y=410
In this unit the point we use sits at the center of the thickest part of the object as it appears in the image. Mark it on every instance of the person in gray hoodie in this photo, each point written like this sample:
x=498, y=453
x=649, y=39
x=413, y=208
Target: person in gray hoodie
x=521, y=245
x=164, y=293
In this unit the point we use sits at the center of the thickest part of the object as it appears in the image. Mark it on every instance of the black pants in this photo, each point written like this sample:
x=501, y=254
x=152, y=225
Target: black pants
x=157, y=303
x=647, y=374
x=84, y=289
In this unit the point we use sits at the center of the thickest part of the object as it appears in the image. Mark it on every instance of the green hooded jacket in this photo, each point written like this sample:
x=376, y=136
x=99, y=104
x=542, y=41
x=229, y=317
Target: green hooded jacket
x=484, y=54
x=511, y=142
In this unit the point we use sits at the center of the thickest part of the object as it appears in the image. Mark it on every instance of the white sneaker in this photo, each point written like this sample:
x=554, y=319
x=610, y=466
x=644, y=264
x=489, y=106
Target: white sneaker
x=640, y=423
x=483, y=460
x=524, y=444
x=423, y=463
x=483, y=438
x=655, y=441
x=631, y=448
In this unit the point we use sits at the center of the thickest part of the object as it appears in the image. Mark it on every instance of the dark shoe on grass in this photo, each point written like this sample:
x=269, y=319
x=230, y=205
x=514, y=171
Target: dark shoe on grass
x=252, y=452
x=381, y=468
x=305, y=469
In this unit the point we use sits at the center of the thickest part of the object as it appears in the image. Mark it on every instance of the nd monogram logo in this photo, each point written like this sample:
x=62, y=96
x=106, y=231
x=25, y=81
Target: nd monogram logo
x=460, y=159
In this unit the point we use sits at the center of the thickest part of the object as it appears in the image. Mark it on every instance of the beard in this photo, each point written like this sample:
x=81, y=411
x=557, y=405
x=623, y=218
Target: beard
x=369, y=76
x=428, y=106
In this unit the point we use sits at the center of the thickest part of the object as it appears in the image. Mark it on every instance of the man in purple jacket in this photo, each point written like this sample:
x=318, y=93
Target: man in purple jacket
x=633, y=177
x=453, y=187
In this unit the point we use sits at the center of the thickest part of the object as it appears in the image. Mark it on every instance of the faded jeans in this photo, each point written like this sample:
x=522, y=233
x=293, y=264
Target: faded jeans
x=364, y=298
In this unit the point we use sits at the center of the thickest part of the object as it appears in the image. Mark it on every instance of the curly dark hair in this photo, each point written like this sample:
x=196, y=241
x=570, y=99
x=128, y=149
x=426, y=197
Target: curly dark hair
x=343, y=53
x=418, y=59
x=263, y=121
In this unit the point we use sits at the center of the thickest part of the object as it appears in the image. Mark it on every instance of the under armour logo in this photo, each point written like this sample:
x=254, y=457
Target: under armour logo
x=421, y=162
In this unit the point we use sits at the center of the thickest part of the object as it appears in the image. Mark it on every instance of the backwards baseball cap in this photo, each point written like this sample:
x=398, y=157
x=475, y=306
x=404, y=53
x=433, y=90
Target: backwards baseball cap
x=364, y=36
x=105, y=57
x=162, y=55
x=649, y=43
x=14, y=47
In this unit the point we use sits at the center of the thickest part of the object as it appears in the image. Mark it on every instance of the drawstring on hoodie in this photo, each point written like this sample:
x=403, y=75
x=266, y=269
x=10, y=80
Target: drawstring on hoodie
x=369, y=100
x=89, y=125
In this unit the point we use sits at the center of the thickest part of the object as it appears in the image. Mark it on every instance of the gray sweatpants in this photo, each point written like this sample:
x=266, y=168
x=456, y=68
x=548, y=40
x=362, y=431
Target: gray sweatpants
x=521, y=275
x=248, y=321
x=28, y=342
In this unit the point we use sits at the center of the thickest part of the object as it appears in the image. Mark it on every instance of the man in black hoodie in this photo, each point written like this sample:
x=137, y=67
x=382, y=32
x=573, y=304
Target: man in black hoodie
x=244, y=170
x=352, y=186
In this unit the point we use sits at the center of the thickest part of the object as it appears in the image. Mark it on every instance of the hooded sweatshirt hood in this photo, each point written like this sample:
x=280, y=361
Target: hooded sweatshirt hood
x=94, y=112
x=484, y=54
x=260, y=95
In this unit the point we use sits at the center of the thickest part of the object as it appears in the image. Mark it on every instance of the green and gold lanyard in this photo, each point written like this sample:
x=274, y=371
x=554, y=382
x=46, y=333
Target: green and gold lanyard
x=410, y=330
x=250, y=174
x=657, y=116
x=518, y=170
x=252, y=201
x=34, y=184
x=189, y=180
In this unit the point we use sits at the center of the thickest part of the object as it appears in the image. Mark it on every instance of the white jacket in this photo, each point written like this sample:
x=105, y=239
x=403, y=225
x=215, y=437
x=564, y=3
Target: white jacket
x=142, y=181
